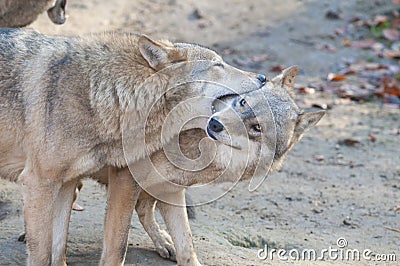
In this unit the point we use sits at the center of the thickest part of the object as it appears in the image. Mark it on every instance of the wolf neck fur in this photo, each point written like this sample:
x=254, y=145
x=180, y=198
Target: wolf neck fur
x=115, y=94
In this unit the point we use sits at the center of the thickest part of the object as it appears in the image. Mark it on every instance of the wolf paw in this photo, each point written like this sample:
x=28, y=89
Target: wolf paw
x=165, y=246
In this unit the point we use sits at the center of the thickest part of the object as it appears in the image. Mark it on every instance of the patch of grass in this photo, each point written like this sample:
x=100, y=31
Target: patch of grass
x=376, y=31
x=370, y=59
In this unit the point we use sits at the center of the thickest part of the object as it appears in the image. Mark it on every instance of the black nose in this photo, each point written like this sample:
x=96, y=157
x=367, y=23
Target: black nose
x=261, y=78
x=215, y=125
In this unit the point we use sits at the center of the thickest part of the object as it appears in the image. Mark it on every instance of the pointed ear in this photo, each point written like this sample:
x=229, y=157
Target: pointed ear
x=155, y=53
x=306, y=121
x=286, y=79
x=159, y=53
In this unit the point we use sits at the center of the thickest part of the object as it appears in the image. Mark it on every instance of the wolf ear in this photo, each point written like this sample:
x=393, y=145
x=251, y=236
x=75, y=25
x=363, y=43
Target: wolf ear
x=159, y=53
x=155, y=53
x=306, y=121
x=286, y=79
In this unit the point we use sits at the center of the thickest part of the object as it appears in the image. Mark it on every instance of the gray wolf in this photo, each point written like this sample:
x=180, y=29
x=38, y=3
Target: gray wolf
x=62, y=103
x=20, y=13
x=235, y=128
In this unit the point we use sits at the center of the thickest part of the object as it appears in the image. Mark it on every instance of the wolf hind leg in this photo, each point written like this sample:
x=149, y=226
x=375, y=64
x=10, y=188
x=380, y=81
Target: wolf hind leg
x=62, y=214
x=175, y=217
x=122, y=194
x=162, y=240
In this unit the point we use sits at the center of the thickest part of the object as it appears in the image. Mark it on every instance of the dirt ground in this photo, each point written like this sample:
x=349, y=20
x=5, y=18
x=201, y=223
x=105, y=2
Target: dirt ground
x=325, y=191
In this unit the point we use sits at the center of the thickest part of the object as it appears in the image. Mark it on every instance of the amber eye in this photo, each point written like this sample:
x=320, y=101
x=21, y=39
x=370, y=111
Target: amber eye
x=242, y=102
x=257, y=128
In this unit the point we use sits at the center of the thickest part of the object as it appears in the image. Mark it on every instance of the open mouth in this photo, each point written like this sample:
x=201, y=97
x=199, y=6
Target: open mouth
x=221, y=102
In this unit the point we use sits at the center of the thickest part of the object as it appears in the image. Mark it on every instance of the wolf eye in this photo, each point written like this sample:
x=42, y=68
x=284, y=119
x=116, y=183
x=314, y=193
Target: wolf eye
x=242, y=102
x=257, y=128
x=219, y=64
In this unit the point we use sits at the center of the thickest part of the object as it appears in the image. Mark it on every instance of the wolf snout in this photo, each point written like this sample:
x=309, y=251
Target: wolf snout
x=214, y=126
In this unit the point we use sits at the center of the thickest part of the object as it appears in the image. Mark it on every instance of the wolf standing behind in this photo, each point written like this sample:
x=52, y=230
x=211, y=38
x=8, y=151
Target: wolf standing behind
x=62, y=100
x=245, y=128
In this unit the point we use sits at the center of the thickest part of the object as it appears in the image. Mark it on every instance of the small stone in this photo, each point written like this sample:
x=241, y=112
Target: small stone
x=330, y=14
x=195, y=15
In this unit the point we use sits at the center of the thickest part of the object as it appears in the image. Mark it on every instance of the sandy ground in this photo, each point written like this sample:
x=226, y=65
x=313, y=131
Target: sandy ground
x=325, y=190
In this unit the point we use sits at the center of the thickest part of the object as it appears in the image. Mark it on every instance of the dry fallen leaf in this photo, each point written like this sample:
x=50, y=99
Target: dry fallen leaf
x=349, y=142
x=335, y=77
x=353, y=92
x=363, y=44
x=391, y=34
x=277, y=68
x=371, y=137
x=375, y=66
x=395, y=131
x=340, y=31
x=392, y=54
x=391, y=86
x=304, y=90
x=346, y=42
x=395, y=23
x=397, y=208
x=326, y=47
x=259, y=57
x=359, y=67
x=379, y=19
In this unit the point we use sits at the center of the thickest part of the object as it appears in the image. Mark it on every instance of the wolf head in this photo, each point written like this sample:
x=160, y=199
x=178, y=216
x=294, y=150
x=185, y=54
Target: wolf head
x=181, y=82
x=239, y=123
x=197, y=64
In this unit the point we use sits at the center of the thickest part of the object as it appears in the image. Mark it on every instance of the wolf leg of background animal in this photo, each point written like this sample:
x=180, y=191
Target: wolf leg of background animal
x=161, y=239
x=62, y=214
x=57, y=12
x=122, y=194
x=175, y=217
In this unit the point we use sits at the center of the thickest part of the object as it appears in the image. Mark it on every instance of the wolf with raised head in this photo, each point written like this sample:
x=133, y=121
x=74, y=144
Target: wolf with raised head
x=237, y=131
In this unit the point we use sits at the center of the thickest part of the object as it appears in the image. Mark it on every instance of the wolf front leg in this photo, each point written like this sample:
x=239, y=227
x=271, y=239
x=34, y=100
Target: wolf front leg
x=123, y=192
x=161, y=239
x=39, y=197
x=62, y=216
x=175, y=217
